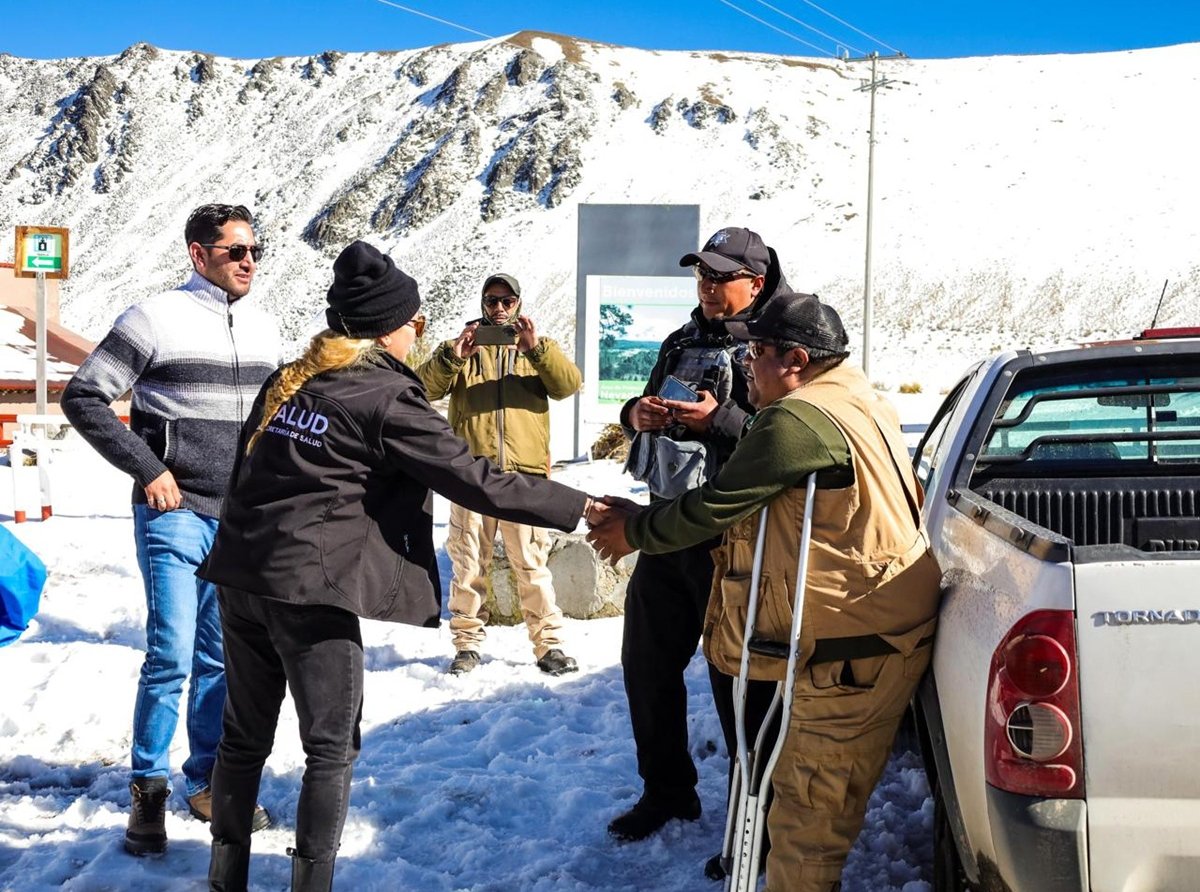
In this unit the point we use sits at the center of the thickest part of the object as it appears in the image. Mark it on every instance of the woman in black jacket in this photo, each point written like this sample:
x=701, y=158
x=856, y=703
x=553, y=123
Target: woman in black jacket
x=328, y=520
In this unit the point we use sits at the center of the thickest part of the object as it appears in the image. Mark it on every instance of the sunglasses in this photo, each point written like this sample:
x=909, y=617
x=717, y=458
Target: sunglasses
x=237, y=253
x=491, y=301
x=703, y=273
x=418, y=324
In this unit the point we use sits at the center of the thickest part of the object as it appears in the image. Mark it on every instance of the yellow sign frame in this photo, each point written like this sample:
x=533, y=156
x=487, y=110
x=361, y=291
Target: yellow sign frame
x=21, y=266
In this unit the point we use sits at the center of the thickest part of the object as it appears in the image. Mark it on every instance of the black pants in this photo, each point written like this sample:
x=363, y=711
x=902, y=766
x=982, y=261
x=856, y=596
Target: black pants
x=317, y=652
x=664, y=614
x=759, y=695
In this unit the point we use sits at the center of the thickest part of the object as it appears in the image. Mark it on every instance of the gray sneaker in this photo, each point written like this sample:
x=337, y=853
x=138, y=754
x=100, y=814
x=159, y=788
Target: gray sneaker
x=464, y=661
x=555, y=662
x=146, y=833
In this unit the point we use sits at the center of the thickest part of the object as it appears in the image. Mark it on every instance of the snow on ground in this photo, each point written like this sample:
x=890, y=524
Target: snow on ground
x=501, y=780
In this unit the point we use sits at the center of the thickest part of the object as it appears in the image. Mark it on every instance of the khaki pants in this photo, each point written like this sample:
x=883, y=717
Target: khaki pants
x=844, y=718
x=469, y=545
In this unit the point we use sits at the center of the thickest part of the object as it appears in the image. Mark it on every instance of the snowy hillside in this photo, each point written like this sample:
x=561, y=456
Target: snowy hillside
x=1025, y=199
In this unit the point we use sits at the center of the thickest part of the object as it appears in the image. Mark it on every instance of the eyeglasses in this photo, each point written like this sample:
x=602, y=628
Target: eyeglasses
x=418, y=324
x=492, y=300
x=703, y=273
x=237, y=253
x=754, y=349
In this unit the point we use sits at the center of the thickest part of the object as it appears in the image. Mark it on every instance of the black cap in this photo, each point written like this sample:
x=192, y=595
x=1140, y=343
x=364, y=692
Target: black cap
x=731, y=249
x=369, y=296
x=796, y=318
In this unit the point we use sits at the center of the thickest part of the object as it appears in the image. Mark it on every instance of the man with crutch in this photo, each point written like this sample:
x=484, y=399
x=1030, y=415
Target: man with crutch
x=871, y=591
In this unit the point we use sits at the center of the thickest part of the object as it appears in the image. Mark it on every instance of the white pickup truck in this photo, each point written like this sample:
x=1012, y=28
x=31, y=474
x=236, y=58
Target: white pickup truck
x=1060, y=720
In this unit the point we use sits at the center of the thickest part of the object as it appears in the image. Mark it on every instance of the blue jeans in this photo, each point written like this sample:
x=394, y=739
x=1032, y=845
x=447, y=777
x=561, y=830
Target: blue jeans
x=183, y=634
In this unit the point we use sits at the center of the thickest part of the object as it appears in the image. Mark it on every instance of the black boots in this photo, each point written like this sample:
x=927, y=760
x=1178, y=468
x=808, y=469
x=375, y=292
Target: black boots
x=650, y=813
x=228, y=867
x=146, y=833
x=309, y=875
x=555, y=662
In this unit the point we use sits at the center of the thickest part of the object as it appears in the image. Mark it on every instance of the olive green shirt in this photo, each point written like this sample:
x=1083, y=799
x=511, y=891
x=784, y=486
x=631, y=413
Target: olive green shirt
x=783, y=444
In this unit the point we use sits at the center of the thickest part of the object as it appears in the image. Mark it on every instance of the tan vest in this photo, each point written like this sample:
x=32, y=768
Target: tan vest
x=870, y=570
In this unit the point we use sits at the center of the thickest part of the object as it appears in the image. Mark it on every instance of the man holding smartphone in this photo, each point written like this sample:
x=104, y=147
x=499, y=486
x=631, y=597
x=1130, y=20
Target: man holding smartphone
x=500, y=376
x=667, y=594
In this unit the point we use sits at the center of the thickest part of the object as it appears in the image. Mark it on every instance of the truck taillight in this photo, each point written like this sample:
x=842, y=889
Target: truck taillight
x=1032, y=724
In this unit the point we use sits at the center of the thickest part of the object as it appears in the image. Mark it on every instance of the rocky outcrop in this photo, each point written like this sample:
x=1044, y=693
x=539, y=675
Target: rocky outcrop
x=705, y=112
x=74, y=139
x=260, y=79
x=525, y=68
x=623, y=96
x=442, y=149
x=660, y=116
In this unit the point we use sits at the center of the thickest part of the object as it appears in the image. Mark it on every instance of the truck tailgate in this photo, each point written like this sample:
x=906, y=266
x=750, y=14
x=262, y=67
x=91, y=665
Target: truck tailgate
x=1139, y=670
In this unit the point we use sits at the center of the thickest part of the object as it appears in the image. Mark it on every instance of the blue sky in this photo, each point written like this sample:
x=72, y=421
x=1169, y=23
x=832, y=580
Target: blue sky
x=919, y=28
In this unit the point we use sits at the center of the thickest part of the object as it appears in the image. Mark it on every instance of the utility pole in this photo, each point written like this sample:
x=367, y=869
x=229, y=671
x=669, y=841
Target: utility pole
x=873, y=85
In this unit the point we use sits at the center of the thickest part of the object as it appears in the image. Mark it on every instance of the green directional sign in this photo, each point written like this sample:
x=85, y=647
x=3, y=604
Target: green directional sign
x=43, y=263
x=42, y=250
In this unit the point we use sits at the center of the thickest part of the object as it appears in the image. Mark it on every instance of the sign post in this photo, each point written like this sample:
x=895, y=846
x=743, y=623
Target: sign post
x=42, y=252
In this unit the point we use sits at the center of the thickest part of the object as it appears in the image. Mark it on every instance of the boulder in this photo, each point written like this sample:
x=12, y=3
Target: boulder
x=586, y=587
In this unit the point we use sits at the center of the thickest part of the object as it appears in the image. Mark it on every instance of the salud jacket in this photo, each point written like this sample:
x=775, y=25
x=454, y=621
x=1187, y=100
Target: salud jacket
x=332, y=505
x=499, y=399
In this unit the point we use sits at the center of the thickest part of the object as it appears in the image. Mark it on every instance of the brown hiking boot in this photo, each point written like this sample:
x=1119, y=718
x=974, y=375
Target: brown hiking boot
x=200, y=806
x=146, y=833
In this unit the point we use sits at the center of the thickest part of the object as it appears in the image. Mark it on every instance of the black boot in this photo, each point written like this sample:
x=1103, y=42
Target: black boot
x=649, y=814
x=146, y=833
x=228, y=867
x=716, y=867
x=309, y=875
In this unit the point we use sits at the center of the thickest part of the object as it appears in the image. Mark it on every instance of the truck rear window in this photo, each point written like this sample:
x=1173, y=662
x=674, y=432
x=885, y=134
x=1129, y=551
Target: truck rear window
x=1100, y=417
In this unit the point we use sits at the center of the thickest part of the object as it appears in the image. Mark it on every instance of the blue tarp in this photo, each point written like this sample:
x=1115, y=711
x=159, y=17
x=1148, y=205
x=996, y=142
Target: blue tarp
x=22, y=575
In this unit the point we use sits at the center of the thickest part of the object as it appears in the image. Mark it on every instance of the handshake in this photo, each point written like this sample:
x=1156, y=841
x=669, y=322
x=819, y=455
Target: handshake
x=606, y=518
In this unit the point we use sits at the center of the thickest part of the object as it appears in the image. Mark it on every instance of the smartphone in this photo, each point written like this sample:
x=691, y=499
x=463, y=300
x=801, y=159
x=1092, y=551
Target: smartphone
x=674, y=389
x=493, y=335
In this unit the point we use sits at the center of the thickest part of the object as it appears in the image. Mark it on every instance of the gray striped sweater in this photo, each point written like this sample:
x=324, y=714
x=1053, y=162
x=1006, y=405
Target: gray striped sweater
x=195, y=362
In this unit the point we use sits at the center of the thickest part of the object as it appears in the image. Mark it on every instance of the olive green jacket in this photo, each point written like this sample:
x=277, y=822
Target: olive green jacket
x=499, y=399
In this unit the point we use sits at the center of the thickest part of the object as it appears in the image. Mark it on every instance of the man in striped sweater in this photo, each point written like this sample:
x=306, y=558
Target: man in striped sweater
x=194, y=359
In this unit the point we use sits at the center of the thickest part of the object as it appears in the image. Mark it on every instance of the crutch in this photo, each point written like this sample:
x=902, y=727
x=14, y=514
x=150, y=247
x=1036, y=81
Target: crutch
x=747, y=814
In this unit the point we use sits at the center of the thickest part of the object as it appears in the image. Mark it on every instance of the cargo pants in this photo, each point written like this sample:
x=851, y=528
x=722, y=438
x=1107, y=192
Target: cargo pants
x=844, y=718
x=470, y=546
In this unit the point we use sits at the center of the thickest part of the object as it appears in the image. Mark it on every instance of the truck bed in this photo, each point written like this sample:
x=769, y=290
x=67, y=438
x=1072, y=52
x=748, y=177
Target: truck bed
x=1149, y=514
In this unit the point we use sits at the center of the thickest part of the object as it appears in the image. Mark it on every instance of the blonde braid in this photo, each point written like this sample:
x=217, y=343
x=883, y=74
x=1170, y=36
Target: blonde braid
x=327, y=351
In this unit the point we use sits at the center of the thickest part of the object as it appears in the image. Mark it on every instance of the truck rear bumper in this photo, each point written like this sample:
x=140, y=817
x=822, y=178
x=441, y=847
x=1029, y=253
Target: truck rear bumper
x=1039, y=843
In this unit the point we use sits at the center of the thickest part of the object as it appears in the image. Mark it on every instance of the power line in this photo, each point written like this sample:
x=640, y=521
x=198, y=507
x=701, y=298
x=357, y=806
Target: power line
x=434, y=18
x=773, y=28
x=836, y=42
x=852, y=28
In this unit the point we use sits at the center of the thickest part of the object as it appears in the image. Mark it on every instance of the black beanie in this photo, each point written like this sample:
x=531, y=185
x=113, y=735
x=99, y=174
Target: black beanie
x=369, y=297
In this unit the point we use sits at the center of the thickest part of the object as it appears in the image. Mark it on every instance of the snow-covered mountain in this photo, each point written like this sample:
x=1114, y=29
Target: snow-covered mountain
x=1017, y=198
